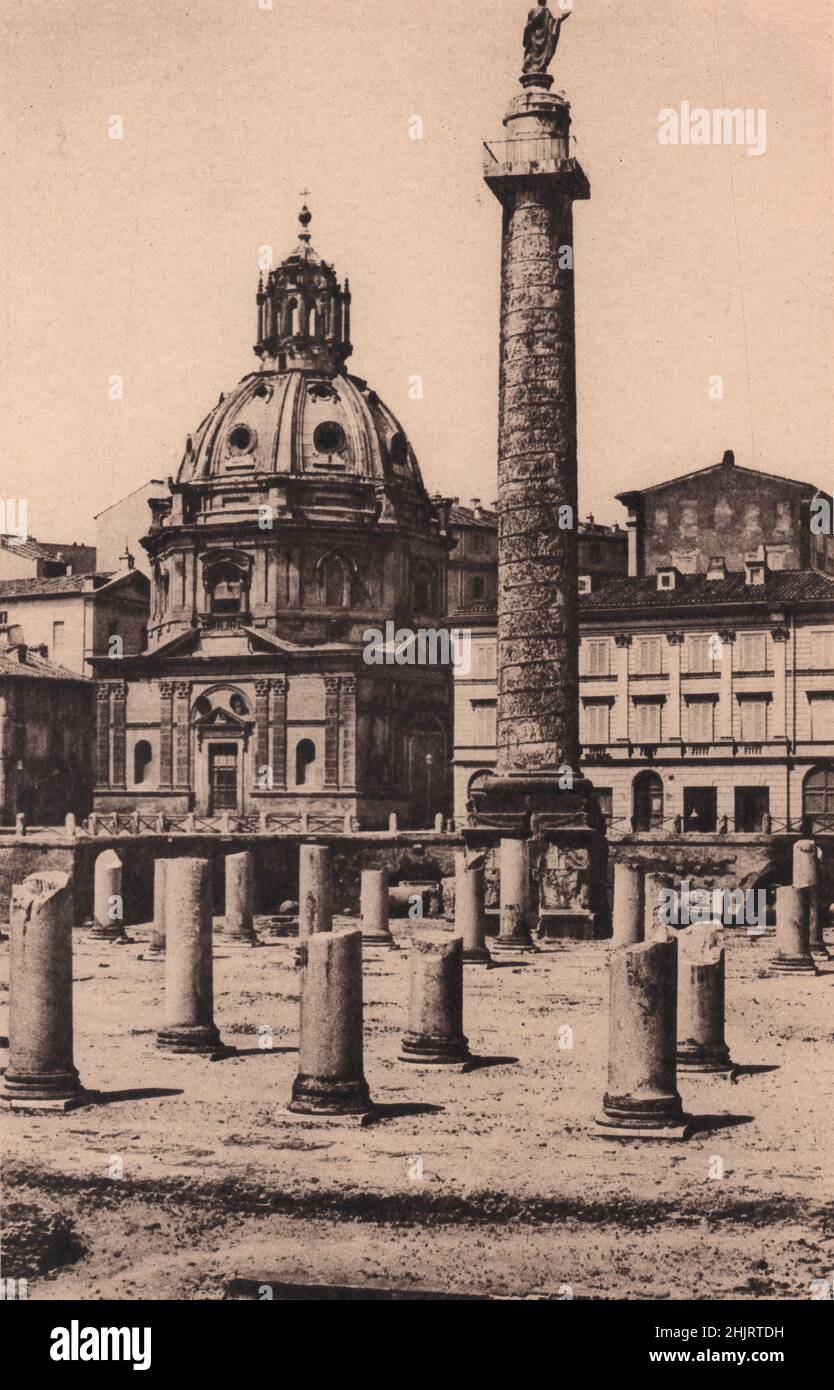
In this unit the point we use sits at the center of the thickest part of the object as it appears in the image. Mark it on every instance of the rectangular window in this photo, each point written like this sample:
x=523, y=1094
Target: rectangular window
x=478, y=541
x=753, y=720
x=478, y=586
x=699, y=653
x=648, y=721
x=648, y=656
x=597, y=657
x=700, y=714
x=484, y=723
x=822, y=649
x=596, y=723
x=484, y=661
x=605, y=801
x=822, y=719
x=57, y=636
x=752, y=651
x=752, y=805
x=4, y=617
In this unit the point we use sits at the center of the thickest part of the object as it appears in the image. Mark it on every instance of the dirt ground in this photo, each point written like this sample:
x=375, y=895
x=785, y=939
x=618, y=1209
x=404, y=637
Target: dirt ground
x=186, y=1173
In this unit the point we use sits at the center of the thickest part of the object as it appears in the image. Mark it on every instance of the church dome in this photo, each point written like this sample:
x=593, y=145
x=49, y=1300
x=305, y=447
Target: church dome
x=301, y=412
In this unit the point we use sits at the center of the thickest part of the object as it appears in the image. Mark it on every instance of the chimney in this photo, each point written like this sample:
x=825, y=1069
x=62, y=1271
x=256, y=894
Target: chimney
x=717, y=568
x=729, y=459
x=755, y=571
x=667, y=577
x=586, y=584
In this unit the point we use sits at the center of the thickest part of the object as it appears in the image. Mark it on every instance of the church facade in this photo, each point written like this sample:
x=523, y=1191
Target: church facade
x=298, y=522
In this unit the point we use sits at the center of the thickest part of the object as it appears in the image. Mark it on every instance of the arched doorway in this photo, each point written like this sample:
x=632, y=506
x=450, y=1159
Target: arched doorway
x=647, y=804
x=818, y=800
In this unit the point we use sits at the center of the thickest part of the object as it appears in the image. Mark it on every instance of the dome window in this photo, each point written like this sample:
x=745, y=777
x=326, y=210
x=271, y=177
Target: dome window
x=242, y=440
x=398, y=451
x=329, y=438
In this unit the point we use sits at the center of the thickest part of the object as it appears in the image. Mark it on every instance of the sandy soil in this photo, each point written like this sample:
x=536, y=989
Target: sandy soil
x=186, y=1172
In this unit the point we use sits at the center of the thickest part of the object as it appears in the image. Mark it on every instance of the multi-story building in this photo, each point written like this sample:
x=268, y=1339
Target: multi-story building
x=46, y=735
x=71, y=618
x=706, y=698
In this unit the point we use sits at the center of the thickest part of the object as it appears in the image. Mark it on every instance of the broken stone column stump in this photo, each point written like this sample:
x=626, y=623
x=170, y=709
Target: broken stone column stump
x=156, y=947
x=331, y=1078
x=629, y=905
x=41, y=1073
x=188, y=1011
x=793, y=933
x=470, y=913
x=806, y=875
x=642, y=1100
x=374, y=909
x=108, y=903
x=701, y=1000
x=239, y=920
x=315, y=890
x=515, y=912
x=435, y=1006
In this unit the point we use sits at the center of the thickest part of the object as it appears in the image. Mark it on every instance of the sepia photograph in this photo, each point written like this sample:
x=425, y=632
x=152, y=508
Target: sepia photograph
x=417, y=670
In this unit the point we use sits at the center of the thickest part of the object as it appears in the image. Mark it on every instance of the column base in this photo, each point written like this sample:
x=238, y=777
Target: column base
x=604, y=1128
x=58, y=1094
x=478, y=955
x=820, y=952
x=200, y=1041
x=384, y=941
x=799, y=965
x=430, y=1051
x=319, y=1098
x=518, y=946
x=691, y=1058
x=112, y=934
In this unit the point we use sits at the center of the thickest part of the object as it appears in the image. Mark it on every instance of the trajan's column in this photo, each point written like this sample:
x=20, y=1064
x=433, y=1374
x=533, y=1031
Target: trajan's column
x=537, y=792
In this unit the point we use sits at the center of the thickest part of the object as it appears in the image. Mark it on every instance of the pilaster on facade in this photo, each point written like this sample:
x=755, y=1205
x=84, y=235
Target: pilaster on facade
x=166, y=735
x=620, y=730
x=103, y=734
x=347, y=723
x=331, y=732
x=118, y=691
x=182, y=720
x=725, y=696
x=673, y=704
x=781, y=637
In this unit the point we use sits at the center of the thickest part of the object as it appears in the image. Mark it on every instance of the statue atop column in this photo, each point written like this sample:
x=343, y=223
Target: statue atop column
x=541, y=38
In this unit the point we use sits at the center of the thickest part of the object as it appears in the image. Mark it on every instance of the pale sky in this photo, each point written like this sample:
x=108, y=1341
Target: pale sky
x=138, y=257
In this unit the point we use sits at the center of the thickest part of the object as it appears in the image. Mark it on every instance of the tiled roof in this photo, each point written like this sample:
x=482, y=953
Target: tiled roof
x=35, y=667
x=781, y=586
x=30, y=588
x=48, y=550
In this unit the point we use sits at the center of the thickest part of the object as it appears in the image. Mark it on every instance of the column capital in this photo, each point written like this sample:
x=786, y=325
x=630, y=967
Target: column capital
x=166, y=690
x=262, y=688
x=349, y=685
x=280, y=685
x=119, y=690
x=331, y=684
x=183, y=689
x=622, y=639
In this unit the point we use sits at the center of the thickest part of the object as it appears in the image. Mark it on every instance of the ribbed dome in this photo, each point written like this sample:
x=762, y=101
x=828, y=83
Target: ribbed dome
x=299, y=421
x=301, y=412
